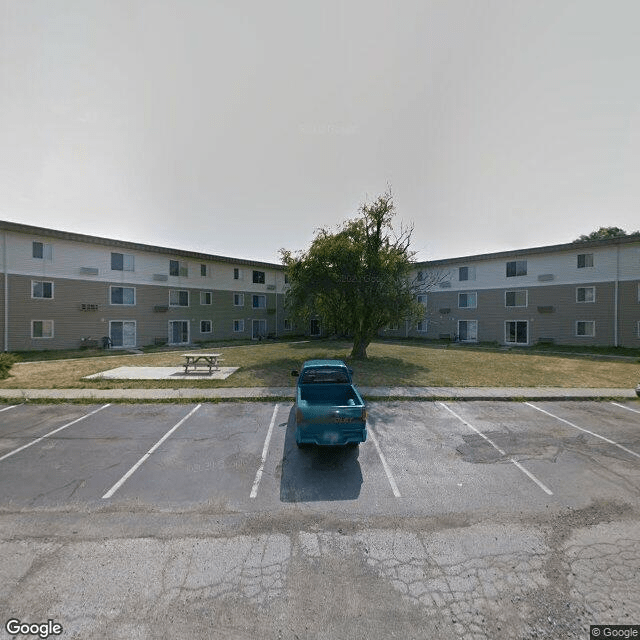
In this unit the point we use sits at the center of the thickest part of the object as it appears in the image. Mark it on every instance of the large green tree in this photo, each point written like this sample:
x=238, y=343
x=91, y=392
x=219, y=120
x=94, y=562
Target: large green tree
x=359, y=278
x=605, y=233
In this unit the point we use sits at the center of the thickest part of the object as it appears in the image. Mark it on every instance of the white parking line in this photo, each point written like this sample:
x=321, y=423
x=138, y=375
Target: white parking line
x=46, y=435
x=622, y=406
x=13, y=406
x=591, y=433
x=387, y=469
x=131, y=471
x=265, y=449
x=499, y=450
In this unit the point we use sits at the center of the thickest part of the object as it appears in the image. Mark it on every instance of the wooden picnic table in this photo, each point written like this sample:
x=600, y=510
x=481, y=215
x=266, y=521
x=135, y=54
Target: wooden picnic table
x=194, y=360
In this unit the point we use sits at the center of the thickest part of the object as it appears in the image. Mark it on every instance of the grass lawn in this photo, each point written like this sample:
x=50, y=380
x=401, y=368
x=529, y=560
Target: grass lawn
x=389, y=364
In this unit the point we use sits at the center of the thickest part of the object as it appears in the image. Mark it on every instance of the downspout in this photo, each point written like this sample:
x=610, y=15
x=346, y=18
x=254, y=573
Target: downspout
x=615, y=298
x=6, y=291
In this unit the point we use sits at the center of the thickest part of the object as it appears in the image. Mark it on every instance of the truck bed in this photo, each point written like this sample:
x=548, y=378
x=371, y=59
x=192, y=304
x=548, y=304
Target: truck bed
x=337, y=395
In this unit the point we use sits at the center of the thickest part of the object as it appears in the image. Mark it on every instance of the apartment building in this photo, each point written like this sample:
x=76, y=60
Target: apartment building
x=61, y=290
x=585, y=293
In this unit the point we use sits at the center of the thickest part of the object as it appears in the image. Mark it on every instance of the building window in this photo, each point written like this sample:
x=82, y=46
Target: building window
x=122, y=262
x=420, y=276
x=178, y=298
x=286, y=278
x=42, y=328
x=41, y=289
x=467, y=300
x=238, y=326
x=177, y=268
x=237, y=274
x=468, y=330
x=204, y=271
x=238, y=299
x=394, y=326
x=421, y=326
x=586, y=294
x=516, y=298
x=585, y=328
x=206, y=297
x=516, y=332
x=422, y=299
x=259, y=302
x=287, y=324
x=206, y=326
x=42, y=251
x=516, y=268
x=314, y=327
x=258, y=277
x=466, y=273
x=585, y=260
x=123, y=295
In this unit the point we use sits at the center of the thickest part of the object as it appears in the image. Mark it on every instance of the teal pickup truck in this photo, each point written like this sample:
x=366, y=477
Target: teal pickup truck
x=329, y=409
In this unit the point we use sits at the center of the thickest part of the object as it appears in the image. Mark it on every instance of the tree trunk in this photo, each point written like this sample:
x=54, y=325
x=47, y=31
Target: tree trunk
x=359, y=351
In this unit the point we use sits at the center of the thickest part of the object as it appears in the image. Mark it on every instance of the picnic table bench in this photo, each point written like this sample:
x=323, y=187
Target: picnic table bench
x=194, y=360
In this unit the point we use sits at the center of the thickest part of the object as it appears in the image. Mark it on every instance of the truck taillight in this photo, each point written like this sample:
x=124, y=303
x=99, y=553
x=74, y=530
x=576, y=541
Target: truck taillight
x=364, y=415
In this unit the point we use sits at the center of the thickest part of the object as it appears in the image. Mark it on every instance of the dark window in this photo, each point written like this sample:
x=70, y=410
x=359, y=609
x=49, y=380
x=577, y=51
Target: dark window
x=117, y=262
x=516, y=268
x=42, y=289
x=463, y=273
x=203, y=270
x=258, y=277
x=38, y=250
x=174, y=268
x=236, y=273
x=585, y=260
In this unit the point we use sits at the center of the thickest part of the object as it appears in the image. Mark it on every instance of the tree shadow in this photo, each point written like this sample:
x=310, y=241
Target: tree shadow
x=317, y=473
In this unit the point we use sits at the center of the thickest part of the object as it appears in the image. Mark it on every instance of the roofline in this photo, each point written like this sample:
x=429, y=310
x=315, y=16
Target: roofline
x=123, y=244
x=514, y=253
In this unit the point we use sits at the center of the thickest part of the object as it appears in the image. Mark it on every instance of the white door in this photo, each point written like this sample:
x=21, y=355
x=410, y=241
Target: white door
x=122, y=333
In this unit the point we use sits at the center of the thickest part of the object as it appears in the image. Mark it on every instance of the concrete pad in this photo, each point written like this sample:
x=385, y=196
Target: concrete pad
x=161, y=373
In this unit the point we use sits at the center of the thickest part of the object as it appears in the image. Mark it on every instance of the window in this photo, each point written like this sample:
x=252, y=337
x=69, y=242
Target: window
x=585, y=328
x=467, y=300
x=206, y=297
x=466, y=273
x=206, y=326
x=204, y=272
x=123, y=295
x=314, y=327
x=42, y=328
x=122, y=262
x=420, y=276
x=258, y=277
x=259, y=302
x=394, y=326
x=40, y=289
x=586, y=294
x=516, y=298
x=238, y=326
x=238, y=299
x=585, y=260
x=237, y=274
x=178, y=298
x=516, y=268
x=122, y=333
x=468, y=330
x=177, y=268
x=421, y=326
x=287, y=324
x=42, y=251
x=516, y=332
x=422, y=299
x=286, y=278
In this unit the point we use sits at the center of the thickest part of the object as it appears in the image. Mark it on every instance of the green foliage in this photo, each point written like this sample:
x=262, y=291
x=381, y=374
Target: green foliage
x=357, y=279
x=6, y=362
x=605, y=233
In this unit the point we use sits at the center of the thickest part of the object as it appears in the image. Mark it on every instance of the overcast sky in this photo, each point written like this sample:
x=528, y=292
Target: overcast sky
x=237, y=127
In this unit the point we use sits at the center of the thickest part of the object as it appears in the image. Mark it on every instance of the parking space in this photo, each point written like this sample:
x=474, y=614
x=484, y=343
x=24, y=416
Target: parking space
x=421, y=457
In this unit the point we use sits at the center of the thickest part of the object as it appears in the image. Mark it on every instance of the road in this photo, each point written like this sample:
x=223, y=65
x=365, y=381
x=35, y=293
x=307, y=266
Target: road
x=454, y=520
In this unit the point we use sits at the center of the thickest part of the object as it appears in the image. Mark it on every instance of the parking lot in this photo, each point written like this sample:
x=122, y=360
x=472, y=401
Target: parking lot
x=466, y=519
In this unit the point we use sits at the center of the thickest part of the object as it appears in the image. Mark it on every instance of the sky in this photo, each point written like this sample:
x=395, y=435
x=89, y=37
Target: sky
x=239, y=127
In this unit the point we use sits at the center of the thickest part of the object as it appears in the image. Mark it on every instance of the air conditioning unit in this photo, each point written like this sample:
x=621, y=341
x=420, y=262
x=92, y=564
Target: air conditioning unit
x=546, y=277
x=89, y=271
x=160, y=277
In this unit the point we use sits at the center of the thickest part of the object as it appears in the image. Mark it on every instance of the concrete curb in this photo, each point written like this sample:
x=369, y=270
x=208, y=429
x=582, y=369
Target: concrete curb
x=288, y=393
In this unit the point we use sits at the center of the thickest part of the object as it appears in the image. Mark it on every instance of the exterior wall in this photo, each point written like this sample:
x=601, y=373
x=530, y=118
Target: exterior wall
x=79, y=268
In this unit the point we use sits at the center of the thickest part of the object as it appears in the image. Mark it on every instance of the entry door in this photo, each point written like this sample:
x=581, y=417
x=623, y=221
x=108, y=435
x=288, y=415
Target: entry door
x=259, y=329
x=467, y=330
x=122, y=333
x=179, y=332
x=517, y=332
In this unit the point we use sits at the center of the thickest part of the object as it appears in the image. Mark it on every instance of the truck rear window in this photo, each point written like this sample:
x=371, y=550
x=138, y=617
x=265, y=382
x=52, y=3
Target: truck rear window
x=325, y=376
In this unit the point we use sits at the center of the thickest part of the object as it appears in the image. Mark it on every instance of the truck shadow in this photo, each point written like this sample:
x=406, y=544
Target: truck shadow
x=318, y=473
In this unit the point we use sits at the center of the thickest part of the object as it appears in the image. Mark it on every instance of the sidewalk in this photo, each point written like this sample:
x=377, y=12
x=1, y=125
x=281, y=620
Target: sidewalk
x=279, y=393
